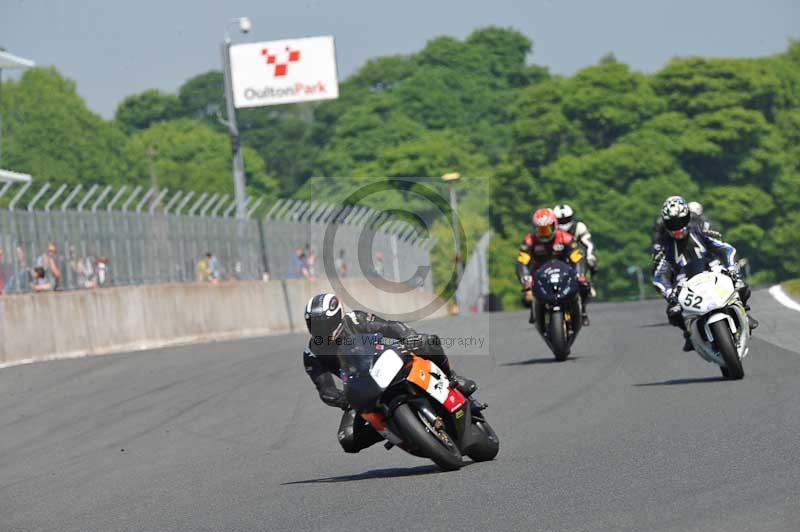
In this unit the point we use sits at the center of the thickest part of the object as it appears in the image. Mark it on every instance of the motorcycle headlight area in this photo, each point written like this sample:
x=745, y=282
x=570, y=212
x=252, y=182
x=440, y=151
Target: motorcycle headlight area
x=386, y=367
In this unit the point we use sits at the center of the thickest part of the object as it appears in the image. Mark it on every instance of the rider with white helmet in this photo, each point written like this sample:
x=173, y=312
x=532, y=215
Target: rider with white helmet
x=579, y=231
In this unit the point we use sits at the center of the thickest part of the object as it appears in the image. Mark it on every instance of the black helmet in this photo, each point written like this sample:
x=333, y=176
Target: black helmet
x=324, y=315
x=676, y=216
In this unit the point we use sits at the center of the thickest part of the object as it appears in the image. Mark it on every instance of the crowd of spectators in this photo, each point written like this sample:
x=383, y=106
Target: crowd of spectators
x=49, y=271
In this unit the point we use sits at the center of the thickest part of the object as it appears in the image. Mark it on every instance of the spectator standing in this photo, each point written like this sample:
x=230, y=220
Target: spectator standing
x=18, y=278
x=86, y=272
x=49, y=262
x=102, y=271
x=201, y=270
x=311, y=265
x=212, y=264
x=297, y=264
x=2, y=271
x=340, y=264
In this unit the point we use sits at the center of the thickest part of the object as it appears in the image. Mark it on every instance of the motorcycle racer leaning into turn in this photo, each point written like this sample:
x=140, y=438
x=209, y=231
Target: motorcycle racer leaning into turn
x=685, y=244
x=329, y=327
x=547, y=242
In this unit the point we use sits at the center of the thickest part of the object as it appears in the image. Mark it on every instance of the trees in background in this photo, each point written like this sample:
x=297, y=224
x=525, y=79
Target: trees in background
x=610, y=141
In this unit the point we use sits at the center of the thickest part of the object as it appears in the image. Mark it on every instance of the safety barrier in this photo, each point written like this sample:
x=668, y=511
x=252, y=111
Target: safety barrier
x=52, y=325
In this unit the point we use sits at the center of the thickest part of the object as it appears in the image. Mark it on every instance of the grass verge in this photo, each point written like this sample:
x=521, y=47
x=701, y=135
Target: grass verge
x=792, y=288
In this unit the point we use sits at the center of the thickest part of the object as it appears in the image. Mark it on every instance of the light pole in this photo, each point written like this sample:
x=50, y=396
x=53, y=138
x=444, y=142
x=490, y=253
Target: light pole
x=451, y=178
x=233, y=126
x=639, y=279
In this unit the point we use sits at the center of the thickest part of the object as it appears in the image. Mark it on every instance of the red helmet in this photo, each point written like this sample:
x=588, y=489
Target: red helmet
x=544, y=224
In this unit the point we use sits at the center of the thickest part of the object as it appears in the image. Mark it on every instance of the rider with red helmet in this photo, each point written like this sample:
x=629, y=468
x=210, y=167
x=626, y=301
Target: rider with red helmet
x=548, y=242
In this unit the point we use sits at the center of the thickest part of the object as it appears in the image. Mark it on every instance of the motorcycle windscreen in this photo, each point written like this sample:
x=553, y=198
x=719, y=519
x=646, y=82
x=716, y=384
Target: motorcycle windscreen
x=696, y=267
x=357, y=355
x=555, y=282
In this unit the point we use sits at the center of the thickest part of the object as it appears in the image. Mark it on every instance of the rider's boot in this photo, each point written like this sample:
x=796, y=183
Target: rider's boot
x=687, y=342
x=753, y=322
x=532, y=317
x=585, y=319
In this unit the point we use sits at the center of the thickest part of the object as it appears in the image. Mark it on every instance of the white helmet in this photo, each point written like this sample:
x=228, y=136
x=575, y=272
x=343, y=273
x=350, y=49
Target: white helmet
x=565, y=215
x=696, y=208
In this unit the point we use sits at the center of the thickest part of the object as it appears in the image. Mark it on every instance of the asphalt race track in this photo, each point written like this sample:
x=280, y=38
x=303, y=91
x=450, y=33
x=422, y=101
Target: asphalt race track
x=628, y=434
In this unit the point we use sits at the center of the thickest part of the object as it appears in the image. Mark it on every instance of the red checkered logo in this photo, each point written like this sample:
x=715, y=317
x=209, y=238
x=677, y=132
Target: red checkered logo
x=289, y=56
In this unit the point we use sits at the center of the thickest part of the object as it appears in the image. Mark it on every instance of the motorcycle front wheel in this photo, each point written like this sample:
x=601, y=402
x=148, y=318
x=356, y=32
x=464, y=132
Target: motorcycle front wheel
x=487, y=446
x=557, y=334
x=434, y=443
x=727, y=347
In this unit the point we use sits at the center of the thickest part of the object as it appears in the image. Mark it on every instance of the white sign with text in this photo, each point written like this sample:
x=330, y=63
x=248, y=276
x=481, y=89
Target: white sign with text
x=277, y=72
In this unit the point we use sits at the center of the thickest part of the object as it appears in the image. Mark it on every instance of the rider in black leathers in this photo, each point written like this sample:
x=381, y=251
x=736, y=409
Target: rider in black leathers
x=660, y=234
x=329, y=326
x=687, y=243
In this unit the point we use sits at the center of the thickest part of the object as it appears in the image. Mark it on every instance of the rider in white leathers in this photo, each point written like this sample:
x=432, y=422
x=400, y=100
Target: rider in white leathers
x=580, y=233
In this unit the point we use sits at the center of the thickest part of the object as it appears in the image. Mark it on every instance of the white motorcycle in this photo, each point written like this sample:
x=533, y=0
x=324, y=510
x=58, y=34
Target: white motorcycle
x=715, y=317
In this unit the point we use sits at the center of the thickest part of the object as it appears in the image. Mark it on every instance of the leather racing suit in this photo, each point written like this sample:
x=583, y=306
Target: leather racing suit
x=322, y=364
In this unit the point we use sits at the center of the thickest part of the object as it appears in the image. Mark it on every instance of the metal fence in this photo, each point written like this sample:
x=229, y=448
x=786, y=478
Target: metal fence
x=129, y=236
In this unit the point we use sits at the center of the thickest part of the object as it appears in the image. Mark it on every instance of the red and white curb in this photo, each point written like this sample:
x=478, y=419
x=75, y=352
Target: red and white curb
x=781, y=297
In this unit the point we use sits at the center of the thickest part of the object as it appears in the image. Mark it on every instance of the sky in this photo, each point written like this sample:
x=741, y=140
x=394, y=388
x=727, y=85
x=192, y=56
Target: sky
x=114, y=48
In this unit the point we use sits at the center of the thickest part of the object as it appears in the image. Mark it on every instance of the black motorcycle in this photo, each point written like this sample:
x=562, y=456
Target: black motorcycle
x=410, y=402
x=557, y=306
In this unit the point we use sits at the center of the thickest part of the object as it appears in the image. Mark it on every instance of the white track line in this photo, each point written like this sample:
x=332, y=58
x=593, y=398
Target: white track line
x=781, y=297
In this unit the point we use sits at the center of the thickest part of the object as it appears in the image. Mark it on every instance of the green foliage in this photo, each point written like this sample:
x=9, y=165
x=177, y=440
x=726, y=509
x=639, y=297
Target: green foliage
x=203, y=96
x=188, y=154
x=49, y=133
x=792, y=287
x=610, y=141
x=141, y=110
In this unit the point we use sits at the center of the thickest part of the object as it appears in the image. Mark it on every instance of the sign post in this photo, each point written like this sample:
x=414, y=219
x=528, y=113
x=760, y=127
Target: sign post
x=233, y=128
x=273, y=73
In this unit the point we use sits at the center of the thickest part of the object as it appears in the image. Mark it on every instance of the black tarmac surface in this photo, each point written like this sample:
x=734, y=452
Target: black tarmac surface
x=629, y=434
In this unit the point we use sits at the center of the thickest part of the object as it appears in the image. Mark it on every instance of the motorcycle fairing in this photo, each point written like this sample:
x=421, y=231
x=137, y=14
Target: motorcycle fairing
x=433, y=380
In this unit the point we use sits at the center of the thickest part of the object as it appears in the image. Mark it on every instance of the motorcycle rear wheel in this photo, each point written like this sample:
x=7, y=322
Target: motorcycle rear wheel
x=727, y=347
x=445, y=454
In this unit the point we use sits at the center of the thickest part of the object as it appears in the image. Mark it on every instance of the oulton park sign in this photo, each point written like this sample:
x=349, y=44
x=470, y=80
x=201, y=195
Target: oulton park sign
x=289, y=71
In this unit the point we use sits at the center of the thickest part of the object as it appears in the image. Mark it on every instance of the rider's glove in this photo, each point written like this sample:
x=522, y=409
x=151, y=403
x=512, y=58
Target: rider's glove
x=671, y=296
x=736, y=277
x=527, y=282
